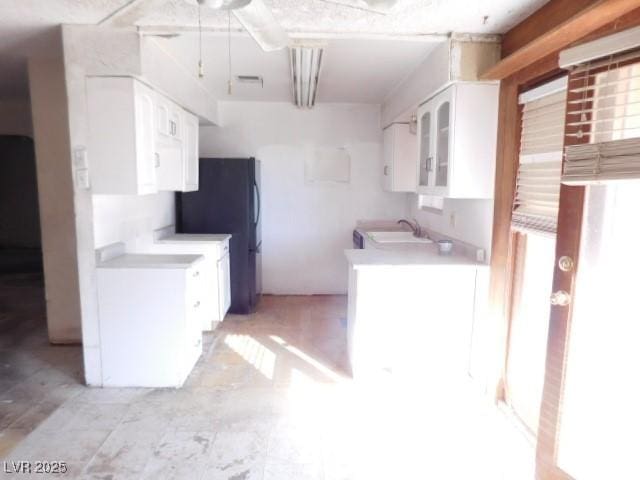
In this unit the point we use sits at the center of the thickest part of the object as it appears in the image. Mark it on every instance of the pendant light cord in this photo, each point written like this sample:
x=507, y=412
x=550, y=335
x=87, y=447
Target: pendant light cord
x=229, y=45
x=200, y=65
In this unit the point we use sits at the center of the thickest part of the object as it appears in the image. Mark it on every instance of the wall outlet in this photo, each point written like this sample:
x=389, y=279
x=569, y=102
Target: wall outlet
x=452, y=219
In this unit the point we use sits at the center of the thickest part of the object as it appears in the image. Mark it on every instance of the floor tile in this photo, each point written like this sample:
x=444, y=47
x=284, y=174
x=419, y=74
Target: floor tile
x=125, y=452
x=180, y=455
x=9, y=438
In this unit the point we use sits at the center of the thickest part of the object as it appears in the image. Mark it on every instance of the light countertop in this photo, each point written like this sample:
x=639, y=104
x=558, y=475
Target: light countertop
x=194, y=238
x=424, y=255
x=406, y=254
x=135, y=260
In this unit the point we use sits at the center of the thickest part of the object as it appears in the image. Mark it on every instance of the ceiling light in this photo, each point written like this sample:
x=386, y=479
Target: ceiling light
x=305, y=71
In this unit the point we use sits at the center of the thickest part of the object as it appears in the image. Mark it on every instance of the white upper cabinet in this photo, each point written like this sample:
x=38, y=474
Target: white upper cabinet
x=400, y=150
x=177, y=132
x=121, y=136
x=140, y=141
x=457, y=131
x=190, y=152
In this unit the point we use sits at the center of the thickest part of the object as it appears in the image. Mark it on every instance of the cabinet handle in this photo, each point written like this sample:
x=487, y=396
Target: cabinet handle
x=386, y=170
x=157, y=155
x=197, y=304
x=429, y=162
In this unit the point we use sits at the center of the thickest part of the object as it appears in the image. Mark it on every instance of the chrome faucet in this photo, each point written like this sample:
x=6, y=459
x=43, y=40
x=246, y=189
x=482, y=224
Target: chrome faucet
x=415, y=227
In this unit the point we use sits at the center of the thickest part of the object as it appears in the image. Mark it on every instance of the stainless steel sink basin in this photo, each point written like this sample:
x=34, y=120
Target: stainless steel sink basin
x=396, y=237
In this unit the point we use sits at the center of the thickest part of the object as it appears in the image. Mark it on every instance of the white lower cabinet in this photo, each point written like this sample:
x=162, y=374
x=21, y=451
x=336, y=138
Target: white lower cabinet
x=150, y=319
x=215, y=272
x=224, y=285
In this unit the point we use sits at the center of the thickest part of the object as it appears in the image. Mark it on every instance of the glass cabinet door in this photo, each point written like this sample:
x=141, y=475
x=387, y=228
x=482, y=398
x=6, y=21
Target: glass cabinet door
x=425, y=149
x=442, y=139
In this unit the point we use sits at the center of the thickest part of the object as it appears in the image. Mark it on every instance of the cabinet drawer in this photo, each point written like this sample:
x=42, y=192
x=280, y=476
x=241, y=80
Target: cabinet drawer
x=195, y=285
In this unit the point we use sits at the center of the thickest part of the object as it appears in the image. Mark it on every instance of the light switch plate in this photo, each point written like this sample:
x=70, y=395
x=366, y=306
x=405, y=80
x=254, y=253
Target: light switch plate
x=82, y=179
x=80, y=158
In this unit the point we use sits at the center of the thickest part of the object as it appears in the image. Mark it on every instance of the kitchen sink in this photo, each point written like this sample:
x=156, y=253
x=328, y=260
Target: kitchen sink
x=396, y=237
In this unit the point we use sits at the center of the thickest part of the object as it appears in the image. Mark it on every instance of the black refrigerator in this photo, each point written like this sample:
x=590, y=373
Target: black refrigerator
x=228, y=201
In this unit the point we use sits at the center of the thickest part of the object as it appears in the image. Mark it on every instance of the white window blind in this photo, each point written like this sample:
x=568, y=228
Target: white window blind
x=603, y=121
x=535, y=207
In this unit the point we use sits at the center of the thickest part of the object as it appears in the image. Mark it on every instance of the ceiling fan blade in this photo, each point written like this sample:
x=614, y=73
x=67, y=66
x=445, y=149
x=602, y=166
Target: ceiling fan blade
x=258, y=20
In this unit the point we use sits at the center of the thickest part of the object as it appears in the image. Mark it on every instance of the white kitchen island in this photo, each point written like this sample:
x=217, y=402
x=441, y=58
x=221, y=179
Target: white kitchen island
x=412, y=313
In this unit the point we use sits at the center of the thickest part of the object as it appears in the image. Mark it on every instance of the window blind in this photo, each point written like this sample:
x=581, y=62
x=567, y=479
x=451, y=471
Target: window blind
x=535, y=206
x=603, y=121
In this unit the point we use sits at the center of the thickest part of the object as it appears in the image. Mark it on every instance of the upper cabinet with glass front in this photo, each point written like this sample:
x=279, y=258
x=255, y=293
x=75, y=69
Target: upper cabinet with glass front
x=457, y=129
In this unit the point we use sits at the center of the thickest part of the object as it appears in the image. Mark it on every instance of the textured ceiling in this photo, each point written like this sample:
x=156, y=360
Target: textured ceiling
x=408, y=17
x=26, y=25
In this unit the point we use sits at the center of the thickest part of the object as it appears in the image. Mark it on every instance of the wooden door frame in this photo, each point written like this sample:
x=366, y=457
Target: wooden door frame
x=538, y=24
x=572, y=198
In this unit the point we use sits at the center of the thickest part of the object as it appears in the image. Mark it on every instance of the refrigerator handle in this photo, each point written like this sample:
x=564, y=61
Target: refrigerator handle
x=257, y=190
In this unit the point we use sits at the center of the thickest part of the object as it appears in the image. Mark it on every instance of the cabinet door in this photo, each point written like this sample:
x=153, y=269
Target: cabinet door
x=425, y=160
x=190, y=152
x=175, y=121
x=224, y=285
x=145, y=139
x=162, y=117
x=170, y=166
x=387, y=168
x=195, y=314
x=443, y=122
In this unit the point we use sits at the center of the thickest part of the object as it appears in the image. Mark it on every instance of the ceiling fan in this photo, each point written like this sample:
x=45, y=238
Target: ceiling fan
x=259, y=22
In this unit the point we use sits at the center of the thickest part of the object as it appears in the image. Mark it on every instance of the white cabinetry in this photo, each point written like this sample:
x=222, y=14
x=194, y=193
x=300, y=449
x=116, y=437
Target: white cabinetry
x=150, y=319
x=177, y=148
x=190, y=152
x=224, y=284
x=215, y=271
x=121, y=136
x=400, y=150
x=457, y=141
x=139, y=141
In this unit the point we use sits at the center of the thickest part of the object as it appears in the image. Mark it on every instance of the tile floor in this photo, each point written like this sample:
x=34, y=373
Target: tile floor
x=270, y=399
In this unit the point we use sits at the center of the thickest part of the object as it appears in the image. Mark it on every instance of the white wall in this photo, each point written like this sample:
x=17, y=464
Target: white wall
x=433, y=73
x=59, y=224
x=305, y=226
x=130, y=218
x=472, y=219
x=15, y=117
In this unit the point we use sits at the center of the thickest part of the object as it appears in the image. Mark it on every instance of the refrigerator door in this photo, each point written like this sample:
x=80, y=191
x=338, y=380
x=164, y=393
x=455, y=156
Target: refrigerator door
x=224, y=203
x=258, y=228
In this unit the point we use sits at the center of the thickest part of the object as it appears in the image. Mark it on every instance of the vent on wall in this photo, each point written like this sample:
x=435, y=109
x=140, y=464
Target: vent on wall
x=305, y=72
x=254, y=79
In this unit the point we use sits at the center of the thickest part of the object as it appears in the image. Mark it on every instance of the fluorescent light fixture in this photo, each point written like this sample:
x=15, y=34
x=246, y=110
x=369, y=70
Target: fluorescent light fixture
x=305, y=71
